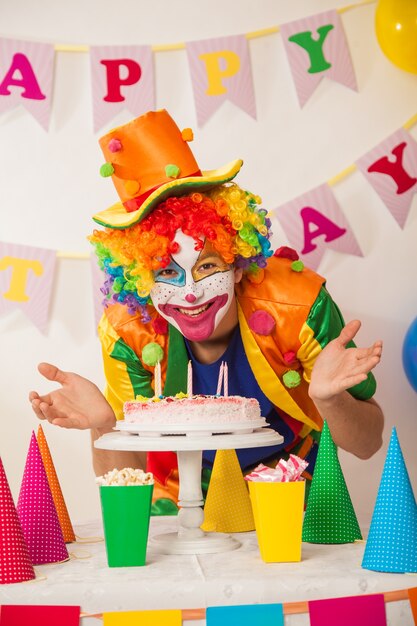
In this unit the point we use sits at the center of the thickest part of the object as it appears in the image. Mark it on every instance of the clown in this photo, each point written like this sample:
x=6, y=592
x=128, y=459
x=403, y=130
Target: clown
x=189, y=266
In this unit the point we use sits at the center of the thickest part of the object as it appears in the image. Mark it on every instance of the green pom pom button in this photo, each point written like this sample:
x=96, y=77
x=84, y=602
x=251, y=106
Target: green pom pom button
x=152, y=354
x=291, y=379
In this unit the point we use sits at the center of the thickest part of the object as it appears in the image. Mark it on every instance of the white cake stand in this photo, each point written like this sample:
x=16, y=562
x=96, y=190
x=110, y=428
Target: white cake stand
x=190, y=539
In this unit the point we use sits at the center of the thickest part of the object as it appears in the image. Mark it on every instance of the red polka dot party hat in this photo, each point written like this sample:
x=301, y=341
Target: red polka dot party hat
x=61, y=507
x=37, y=512
x=15, y=562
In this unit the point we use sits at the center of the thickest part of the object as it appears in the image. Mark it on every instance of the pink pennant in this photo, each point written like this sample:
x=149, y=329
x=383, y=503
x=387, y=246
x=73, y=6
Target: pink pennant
x=221, y=70
x=313, y=223
x=391, y=169
x=316, y=47
x=35, y=615
x=358, y=610
x=26, y=279
x=122, y=77
x=26, y=77
x=97, y=278
x=37, y=512
x=15, y=563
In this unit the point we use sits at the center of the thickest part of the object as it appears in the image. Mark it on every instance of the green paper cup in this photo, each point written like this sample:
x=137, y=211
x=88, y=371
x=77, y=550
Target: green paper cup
x=126, y=511
x=278, y=510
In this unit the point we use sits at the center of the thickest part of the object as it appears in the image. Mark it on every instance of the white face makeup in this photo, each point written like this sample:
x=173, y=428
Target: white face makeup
x=195, y=291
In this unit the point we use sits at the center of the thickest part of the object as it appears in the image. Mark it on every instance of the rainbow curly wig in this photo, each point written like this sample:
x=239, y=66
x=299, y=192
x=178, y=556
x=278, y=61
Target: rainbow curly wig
x=227, y=216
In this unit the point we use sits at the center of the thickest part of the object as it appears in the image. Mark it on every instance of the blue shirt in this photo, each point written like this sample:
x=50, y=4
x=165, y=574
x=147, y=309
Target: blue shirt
x=242, y=382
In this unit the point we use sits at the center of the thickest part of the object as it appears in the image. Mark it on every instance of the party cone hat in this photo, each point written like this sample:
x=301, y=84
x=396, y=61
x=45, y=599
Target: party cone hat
x=330, y=516
x=228, y=508
x=15, y=563
x=61, y=508
x=392, y=540
x=37, y=512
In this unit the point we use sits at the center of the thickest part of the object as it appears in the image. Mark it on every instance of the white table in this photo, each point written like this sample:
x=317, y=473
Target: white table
x=198, y=581
x=189, y=538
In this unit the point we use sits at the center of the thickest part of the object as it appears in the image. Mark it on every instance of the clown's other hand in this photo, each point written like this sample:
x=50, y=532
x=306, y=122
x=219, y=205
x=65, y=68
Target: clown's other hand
x=78, y=403
x=338, y=368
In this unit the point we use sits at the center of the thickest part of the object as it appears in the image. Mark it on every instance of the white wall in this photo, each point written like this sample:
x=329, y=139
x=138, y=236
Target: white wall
x=50, y=187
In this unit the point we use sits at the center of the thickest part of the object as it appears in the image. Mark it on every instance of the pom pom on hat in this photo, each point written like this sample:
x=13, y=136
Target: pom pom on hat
x=261, y=323
x=106, y=170
x=172, y=170
x=152, y=354
x=291, y=379
x=160, y=326
x=297, y=266
x=187, y=134
x=115, y=145
x=132, y=187
x=284, y=252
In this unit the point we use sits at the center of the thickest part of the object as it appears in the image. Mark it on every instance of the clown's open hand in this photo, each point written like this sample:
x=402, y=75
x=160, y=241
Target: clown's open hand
x=338, y=368
x=78, y=403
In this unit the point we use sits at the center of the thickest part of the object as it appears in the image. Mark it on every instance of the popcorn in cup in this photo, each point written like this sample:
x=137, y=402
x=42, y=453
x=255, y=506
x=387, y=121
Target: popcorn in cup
x=126, y=498
x=277, y=496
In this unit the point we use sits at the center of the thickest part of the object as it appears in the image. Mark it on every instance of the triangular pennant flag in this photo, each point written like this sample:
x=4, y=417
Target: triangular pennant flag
x=314, y=223
x=392, y=540
x=330, y=516
x=228, y=508
x=26, y=281
x=37, y=512
x=221, y=70
x=61, y=508
x=15, y=562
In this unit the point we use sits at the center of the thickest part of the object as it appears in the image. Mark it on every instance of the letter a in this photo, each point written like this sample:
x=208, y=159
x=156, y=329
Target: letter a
x=27, y=80
x=324, y=226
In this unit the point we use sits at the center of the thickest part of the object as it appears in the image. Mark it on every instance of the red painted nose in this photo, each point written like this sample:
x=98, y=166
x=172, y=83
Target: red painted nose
x=190, y=297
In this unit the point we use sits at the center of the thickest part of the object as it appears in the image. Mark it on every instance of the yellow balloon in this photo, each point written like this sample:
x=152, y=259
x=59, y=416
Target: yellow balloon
x=396, y=31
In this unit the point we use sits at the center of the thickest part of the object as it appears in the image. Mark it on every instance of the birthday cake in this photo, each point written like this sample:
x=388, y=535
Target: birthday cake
x=197, y=409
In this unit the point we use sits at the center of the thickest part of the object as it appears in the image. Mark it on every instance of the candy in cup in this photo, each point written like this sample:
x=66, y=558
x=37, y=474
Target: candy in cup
x=277, y=496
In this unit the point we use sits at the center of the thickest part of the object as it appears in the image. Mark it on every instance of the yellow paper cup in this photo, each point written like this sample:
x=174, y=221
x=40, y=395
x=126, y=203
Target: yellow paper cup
x=126, y=514
x=278, y=512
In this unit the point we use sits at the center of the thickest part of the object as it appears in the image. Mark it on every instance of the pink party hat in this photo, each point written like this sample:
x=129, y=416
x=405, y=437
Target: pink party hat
x=15, y=563
x=37, y=512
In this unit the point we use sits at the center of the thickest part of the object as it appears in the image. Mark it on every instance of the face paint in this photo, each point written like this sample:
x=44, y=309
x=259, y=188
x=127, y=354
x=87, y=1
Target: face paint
x=195, y=291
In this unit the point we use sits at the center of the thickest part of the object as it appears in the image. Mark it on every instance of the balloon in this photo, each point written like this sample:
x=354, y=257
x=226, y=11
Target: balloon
x=410, y=354
x=396, y=31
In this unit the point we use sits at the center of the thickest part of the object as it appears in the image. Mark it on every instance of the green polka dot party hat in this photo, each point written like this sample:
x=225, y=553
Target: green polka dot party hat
x=392, y=540
x=330, y=516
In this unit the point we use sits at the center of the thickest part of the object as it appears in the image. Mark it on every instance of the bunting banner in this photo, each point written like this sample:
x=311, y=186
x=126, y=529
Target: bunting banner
x=314, y=222
x=122, y=77
x=316, y=48
x=391, y=169
x=26, y=279
x=150, y=618
x=245, y=615
x=221, y=70
x=28, y=79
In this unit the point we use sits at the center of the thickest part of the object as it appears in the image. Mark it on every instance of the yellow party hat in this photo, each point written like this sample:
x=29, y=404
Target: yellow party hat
x=228, y=508
x=58, y=498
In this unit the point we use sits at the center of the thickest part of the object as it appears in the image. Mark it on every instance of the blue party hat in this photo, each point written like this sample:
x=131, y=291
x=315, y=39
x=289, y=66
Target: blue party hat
x=392, y=539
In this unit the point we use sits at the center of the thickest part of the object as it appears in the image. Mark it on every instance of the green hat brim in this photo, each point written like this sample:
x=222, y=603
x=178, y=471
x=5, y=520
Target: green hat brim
x=116, y=216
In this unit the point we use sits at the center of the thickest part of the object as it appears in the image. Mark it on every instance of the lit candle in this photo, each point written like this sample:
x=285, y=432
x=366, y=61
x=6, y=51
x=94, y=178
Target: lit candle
x=225, y=380
x=190, y=379
x=158, y=384
x=220, y=380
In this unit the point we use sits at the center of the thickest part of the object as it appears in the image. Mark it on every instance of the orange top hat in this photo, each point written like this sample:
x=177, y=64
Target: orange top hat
x=149, y=160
